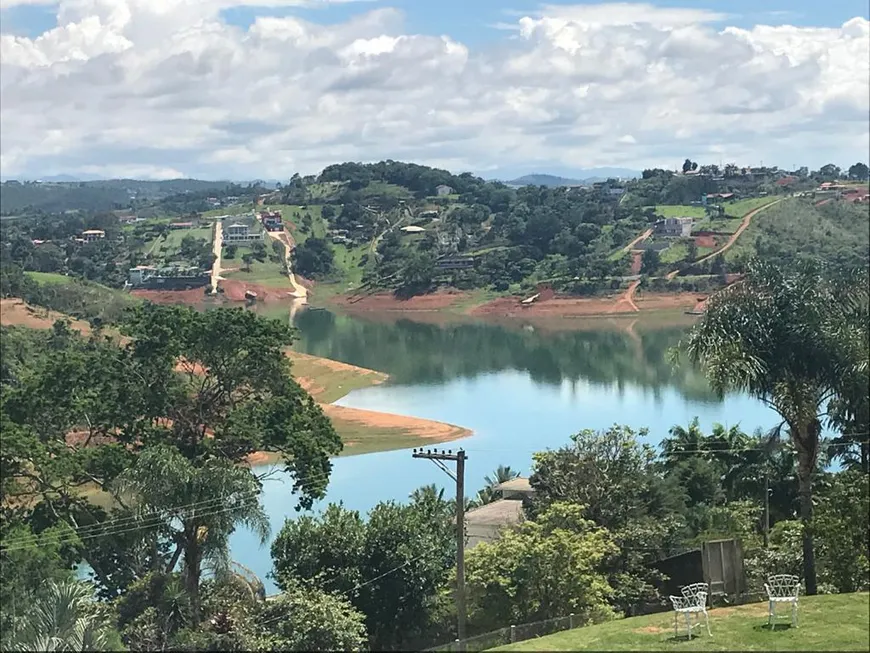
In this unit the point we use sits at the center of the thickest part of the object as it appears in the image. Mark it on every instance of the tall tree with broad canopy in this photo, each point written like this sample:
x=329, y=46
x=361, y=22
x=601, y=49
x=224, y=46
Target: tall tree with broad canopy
x=783, y=337
x=162, y=423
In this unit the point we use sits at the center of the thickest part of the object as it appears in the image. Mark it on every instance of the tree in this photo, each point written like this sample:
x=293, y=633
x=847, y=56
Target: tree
x=830, y=172
x=247, y=260
x=339, y=552
x=327, y=212
x=774, y=335
x=230, y=251
x=488, y=494
x=64, y=618
x=314, y=258
x=305, y=618
x=543, y=569
x=650, y=261
x=179, y=407
x=688, y=165
x=859, y=171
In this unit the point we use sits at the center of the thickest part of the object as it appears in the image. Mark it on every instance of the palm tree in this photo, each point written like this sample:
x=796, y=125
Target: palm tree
x=488, y=494
x=202, y=505
x=62, y=619
x=778, y=337
x=682, y=441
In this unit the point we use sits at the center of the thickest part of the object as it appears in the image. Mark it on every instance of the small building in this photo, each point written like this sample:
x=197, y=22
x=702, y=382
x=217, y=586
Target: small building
x=92, y=235
x=483, y=524
x=411, y=229
x=181, y=225
x=616, y=191
x=674, y=227
x=442, y=190
x=138, y=276
x=455, y=263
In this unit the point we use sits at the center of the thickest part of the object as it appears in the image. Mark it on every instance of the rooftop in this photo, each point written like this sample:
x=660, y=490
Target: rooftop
x=497, y=513
x=518, y=484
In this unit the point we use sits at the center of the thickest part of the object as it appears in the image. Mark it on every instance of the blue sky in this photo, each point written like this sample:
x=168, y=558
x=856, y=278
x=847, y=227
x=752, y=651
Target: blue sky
x=470, y=21
x=156, y=88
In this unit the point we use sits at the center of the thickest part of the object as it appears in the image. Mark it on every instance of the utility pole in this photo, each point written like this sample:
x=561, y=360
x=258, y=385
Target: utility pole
x=766, y=509
x=438, y=457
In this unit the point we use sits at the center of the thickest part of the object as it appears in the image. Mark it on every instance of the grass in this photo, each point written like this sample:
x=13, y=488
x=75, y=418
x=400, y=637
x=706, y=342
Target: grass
x=50, y=278
x=679, y=211
x=675, y=253
x=266, y=273
x=741, y=207
x=834, y=622
x=347, y=261
x=725, y=225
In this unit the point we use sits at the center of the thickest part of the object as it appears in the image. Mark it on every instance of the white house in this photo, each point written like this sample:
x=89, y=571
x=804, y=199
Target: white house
x=443, y=190
x=91, y=235
x=240, y=233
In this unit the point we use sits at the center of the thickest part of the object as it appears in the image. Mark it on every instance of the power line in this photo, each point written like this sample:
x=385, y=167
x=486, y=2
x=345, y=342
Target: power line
x=363, y=584
x=137, y=523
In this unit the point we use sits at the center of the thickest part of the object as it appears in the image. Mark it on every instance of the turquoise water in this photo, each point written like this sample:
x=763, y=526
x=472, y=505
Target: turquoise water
x=520, y=390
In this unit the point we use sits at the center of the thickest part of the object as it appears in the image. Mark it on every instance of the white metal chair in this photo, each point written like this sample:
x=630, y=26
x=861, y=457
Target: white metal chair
x=692, y=601
x=782, y=588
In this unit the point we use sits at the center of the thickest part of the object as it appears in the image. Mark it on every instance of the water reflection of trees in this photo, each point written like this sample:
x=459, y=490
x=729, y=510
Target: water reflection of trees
x=413, y=352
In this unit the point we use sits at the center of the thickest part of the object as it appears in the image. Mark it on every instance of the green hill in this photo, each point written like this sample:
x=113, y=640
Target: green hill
x=834, y=622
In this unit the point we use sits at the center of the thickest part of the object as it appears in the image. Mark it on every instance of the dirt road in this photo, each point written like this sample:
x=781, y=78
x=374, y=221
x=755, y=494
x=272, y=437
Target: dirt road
x=283, y=236
x=646, y=234
x=627, y=298
x=747, y=219
x=217, y=246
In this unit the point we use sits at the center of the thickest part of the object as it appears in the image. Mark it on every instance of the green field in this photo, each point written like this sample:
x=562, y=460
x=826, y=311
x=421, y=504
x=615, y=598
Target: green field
x=741, y=207
x=725, y=225
x=166, y=247
x=834, y=622
x=679, y=251
x=679, y=211
x=266, y=273
x=48, y=277
x=232, y=209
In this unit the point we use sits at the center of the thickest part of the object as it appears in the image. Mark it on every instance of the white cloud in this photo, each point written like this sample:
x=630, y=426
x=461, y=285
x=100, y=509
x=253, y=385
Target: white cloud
x=165, y=86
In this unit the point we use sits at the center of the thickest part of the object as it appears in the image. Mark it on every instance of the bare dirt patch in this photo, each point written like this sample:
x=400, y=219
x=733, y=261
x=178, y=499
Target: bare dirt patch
x=389, y=302
x=234, y=291
x=423, y=428
x=190, y=296
x=651, y=630
x=705, y=241
x=16, y=312
x=585, y=306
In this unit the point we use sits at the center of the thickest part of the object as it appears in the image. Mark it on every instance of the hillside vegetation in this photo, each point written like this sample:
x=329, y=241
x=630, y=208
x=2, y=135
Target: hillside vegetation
x=408, y=228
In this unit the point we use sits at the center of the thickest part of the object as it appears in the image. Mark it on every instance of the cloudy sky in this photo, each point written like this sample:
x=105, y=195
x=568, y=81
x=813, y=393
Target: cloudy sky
x=247, y=89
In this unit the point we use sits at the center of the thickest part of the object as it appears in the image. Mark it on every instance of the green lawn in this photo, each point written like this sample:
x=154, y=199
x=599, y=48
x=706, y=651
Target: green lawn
x=675, y=253
x=232, y=209
x=48, y=277
x=266, y=273
x=725, y=225
x=835, y=622
x=679, y=211
x=741, y=207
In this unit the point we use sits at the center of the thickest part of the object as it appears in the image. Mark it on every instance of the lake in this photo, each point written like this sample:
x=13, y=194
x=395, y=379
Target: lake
x=520, y=388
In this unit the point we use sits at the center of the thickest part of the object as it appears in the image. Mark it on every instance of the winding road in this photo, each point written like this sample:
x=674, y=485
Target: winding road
x=747, y=219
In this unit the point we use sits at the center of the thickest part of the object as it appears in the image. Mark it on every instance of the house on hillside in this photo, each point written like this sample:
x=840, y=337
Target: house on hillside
x=181, y=225
x=674, y=227
x=240, y=233
x=93, y=235
x=483, y=524
x=412, y=229
x=442, y=190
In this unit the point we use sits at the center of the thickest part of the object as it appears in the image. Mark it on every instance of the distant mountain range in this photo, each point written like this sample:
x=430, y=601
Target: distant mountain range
x=583, y=177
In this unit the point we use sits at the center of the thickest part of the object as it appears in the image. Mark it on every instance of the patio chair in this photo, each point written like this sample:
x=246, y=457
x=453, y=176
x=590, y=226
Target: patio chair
x=782, y=588
x=692, y=601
